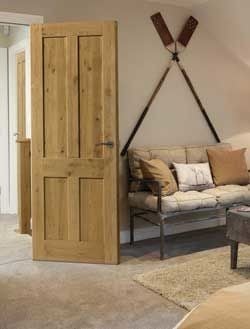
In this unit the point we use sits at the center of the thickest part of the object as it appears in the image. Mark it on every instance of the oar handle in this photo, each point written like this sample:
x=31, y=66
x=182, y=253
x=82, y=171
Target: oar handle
x=145, y=111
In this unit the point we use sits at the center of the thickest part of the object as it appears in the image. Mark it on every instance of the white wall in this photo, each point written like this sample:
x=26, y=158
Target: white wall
x=227, y=23
x=4, y=132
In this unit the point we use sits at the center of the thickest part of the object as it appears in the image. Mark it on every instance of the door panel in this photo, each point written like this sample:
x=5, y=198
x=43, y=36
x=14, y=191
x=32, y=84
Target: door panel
x=91, y=201
x=54, y=64
x=91, y=97
x=55, y=193
x=74, y=108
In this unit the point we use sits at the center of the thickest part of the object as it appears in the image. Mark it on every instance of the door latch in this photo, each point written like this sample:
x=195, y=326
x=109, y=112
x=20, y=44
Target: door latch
x=109, y=144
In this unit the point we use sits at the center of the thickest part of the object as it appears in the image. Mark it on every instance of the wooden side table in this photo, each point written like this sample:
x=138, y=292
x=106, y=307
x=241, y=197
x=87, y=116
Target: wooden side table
x=238, y=231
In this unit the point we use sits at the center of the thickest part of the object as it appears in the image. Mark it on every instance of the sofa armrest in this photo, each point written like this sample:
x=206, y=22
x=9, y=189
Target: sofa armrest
x=158, y=185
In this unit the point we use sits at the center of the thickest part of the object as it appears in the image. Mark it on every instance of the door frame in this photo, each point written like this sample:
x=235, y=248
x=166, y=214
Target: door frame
x=9, y=199
x=20, y=19
x=4, y=141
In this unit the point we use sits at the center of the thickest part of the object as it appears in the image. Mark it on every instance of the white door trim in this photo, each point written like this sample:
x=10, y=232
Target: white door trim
x=13, y=51
x=4, y=131
x=22, y=19
x=10, y=198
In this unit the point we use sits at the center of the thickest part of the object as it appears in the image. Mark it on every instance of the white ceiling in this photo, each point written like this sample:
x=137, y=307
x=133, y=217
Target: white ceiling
x=180, y=3
x=228, y=22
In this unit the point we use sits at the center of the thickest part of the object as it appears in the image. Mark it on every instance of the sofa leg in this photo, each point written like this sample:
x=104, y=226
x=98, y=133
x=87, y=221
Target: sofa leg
x=162, y=238
x=132, y=226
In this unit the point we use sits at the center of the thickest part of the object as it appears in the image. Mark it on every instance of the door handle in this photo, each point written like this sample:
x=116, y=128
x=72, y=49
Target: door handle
x=16, y=134
x=109, y=144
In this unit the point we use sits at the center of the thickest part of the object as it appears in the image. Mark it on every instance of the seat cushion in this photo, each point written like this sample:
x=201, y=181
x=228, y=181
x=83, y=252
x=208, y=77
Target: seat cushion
x=179, y=201
x=230, y=194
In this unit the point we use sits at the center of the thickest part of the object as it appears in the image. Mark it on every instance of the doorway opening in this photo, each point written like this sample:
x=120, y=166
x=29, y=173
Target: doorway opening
x=15, y=105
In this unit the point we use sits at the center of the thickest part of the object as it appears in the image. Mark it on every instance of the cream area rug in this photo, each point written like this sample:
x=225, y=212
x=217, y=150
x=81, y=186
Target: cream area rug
x=190, y=283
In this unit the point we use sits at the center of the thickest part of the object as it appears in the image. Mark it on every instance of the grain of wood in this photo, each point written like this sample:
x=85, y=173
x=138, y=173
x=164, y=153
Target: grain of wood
x=72, y=99
x=91, y=200
x=55, y=144
x=56, y=203
x=91, y=97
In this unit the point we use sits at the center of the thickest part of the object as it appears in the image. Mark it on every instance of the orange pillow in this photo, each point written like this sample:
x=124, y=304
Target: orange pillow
x=228, y=167
x=156, y=169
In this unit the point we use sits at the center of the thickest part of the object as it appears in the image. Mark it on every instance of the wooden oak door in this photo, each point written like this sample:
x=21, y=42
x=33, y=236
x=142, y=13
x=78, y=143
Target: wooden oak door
x=74, y=142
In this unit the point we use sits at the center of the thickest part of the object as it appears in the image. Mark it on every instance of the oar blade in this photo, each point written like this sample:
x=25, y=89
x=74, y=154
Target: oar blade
x=188, y=31
x=162, y=29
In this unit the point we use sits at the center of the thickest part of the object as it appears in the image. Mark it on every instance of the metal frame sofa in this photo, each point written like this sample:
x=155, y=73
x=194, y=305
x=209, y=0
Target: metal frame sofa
x=159, y=210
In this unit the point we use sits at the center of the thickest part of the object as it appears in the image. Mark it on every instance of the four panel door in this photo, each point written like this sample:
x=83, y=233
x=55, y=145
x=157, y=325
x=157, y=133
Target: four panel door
x=75, y=142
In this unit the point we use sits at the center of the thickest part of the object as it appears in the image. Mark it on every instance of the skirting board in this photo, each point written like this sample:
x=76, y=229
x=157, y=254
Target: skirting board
x=151, y=232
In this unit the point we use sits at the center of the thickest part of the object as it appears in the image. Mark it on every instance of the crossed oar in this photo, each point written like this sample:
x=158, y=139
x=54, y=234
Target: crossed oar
x=167, y=40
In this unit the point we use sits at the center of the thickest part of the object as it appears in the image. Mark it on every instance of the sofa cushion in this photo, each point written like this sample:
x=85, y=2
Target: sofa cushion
x=179, y=201
x=169, y=155
x=164, y=153
x=198, y=154
x=134, y=157
x=228, y=167
x=230, y=194
x=156, y=169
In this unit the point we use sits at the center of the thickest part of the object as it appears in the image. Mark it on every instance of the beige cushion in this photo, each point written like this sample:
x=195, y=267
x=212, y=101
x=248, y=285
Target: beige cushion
x=194, y=177
x=228, y=167
x=134, y=157
x=169, y=155
x=230, y=194
x=178, y=154
x=180, y=201
x=198, y=154
x=166, y=154
x=156, y=169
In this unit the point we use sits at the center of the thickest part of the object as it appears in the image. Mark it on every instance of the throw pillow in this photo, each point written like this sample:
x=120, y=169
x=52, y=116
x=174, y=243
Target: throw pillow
x=194, y=177
x=156, y=169
x=228, y=167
